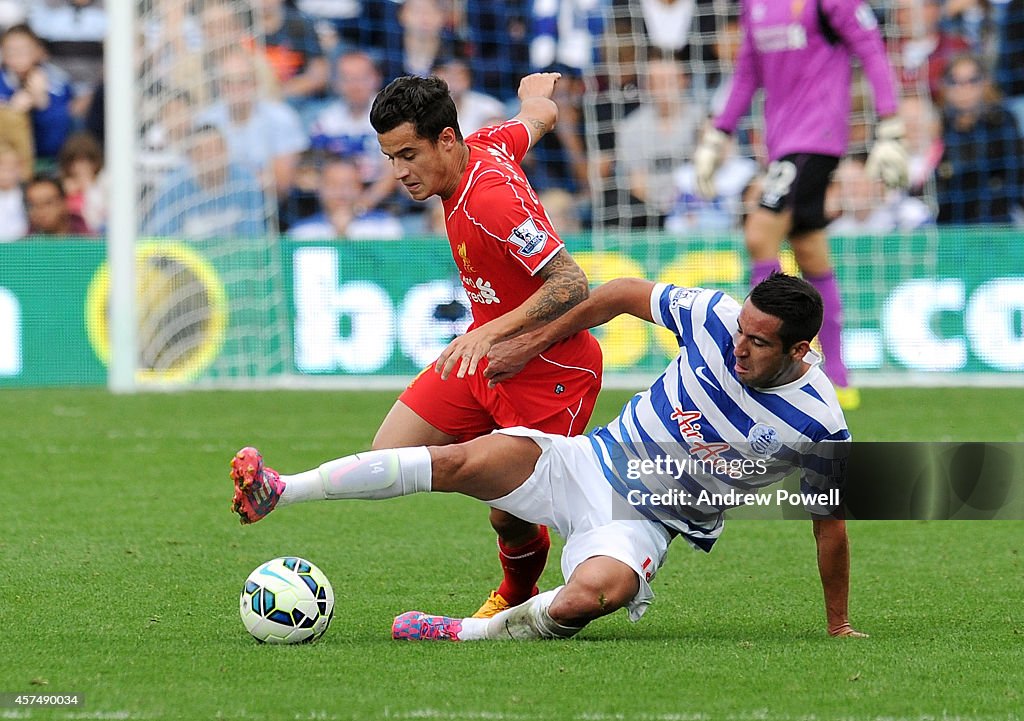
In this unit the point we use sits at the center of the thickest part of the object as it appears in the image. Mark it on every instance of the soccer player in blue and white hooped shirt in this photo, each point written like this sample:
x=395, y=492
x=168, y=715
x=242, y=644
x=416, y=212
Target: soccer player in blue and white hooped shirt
x=742, y=405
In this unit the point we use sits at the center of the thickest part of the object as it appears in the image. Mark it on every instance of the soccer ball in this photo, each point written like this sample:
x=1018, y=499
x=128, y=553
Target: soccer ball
x=287, y=600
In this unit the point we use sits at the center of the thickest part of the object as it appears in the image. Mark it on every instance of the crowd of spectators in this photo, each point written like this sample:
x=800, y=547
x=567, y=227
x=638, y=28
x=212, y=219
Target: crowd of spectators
x=255, y=115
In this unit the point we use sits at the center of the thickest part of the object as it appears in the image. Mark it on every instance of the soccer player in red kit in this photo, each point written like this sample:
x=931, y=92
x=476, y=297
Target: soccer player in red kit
x=518, y=276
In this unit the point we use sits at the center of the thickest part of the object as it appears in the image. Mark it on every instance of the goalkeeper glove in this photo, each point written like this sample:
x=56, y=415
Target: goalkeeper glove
x=887, y=160
x=707, y=159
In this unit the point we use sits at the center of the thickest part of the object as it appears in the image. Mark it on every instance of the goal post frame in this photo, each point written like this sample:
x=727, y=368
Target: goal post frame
x=120, y=150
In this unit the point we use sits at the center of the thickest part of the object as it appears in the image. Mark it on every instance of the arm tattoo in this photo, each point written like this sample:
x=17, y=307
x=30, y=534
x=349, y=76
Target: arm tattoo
x=539, y=125
x=565, y=285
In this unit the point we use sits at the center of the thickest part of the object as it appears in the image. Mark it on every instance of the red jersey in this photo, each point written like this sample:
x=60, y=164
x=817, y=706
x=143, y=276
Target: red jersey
x=500, y=234
x=500, y=237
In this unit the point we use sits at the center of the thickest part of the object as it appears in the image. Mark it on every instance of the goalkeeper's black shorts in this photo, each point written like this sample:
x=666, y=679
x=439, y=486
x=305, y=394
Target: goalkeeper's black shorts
x=798, y=182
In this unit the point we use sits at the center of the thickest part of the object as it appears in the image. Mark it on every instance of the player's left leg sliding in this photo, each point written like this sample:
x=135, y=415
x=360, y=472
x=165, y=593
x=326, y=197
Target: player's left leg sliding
x=527, y=621
x=372, y=475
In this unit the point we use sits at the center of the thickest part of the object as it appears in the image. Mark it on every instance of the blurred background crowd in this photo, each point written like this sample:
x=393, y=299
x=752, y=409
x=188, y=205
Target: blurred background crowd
x=254, y=114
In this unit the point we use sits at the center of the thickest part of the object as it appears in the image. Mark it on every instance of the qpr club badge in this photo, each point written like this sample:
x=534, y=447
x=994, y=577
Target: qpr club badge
x=764, y=440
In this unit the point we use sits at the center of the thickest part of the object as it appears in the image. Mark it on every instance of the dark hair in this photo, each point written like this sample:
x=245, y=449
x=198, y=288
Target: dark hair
x=347, y=161
x=208, y=128
x=22, y=29
x=792, y=300
x=44, y=179
x=367, y=55
x=447, y=61
x=961, y=59
x=424, y=102
x=80, y=145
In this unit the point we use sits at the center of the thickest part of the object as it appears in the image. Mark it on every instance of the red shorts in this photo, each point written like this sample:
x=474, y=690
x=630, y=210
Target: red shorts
x=547, y=395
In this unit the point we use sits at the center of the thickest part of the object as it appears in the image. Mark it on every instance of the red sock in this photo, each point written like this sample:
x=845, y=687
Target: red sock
x=522, y=566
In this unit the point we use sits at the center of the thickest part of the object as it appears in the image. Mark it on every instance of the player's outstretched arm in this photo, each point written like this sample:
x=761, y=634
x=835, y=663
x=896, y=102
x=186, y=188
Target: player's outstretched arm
x=834, y=569
x=537, y=110
x=623, y=295
x=565, y=286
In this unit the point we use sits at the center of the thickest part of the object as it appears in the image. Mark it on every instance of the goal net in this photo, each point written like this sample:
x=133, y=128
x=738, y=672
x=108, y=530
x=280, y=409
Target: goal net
x=210, y=305
x=216, y=301
x=659, y=70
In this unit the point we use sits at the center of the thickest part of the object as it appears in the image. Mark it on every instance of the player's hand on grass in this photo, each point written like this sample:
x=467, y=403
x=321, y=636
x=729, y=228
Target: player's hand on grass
x=465, y=352
x=845, y=630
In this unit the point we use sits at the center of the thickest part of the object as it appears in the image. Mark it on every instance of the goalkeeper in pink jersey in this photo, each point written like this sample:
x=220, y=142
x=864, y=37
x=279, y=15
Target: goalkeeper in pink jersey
x=800, y=52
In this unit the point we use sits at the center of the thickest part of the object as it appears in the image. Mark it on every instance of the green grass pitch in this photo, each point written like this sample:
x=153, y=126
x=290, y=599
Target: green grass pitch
x=121, y=566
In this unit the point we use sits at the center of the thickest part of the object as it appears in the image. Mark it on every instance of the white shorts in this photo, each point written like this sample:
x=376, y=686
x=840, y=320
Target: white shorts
x=567, y=492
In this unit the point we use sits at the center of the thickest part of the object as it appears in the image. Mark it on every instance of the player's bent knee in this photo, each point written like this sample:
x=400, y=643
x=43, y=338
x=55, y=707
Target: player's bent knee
x=579, y=606
x=598, y=586
x=512, y=530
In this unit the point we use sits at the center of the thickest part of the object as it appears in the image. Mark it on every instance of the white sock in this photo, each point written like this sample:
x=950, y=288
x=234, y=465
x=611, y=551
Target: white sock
x=373, y=475
x=528, y=620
